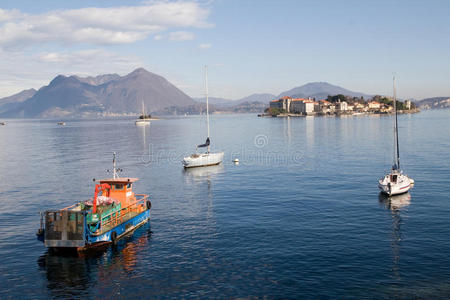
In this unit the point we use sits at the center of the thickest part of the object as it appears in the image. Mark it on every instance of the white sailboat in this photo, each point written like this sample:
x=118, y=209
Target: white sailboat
x=395, y=182
x=144, y=119
x=207, y=158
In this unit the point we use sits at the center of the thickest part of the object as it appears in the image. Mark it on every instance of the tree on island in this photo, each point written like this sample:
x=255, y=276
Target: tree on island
x=336, y=98
x=390, y=102
x=274, y=111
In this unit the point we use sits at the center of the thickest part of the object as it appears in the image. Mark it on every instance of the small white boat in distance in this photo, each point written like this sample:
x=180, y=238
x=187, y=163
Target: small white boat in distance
x=395, y=182
x=144, y=119
x=208, y=158
x=62, y=123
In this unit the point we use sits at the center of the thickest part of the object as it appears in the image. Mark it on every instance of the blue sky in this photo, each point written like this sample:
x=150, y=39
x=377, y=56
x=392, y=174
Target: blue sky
x=250, y=46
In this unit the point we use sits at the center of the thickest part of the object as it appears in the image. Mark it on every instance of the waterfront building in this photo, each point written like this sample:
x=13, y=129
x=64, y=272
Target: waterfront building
x=408, y=104
x=302, y=106
x=360, y=107
x=386, y=108
x=323, y=106
x=342, y=106
x=374, y=105
x=282, y=103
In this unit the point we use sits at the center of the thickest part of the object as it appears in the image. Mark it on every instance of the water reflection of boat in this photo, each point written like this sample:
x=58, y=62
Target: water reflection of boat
x=205, y=172
x=395, y=202
x=72, y=276
x=67, y=274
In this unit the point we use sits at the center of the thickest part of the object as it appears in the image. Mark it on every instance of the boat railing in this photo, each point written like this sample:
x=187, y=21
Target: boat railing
x=115, y=218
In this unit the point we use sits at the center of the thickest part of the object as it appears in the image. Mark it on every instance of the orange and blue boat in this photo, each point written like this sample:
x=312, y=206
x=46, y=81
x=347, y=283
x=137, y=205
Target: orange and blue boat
x=113, y=212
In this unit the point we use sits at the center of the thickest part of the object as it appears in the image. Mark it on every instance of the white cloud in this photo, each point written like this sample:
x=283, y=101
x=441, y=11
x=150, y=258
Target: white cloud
x=113, y=25
x=181, y=36
x=204, y=46
x=158, y=37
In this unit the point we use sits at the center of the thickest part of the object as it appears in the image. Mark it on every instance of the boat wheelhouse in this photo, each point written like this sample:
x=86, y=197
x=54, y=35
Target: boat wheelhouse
x=114, y=211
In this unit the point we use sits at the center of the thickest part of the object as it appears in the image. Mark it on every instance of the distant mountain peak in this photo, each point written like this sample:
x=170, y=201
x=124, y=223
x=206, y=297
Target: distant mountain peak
x=320, y=90
x=140, y=70
x=63, y=79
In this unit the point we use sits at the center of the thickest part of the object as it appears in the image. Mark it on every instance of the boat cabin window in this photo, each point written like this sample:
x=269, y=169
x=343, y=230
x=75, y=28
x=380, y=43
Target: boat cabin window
x=393, y=178
x=129, y=186
x=118, y=186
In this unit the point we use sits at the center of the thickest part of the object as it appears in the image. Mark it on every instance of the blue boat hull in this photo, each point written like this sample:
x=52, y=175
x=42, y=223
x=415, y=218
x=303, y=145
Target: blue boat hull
x=120, y=230
x=89, y=240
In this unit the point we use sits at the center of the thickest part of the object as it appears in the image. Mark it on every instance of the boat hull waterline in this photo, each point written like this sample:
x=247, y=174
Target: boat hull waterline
x=203, y=160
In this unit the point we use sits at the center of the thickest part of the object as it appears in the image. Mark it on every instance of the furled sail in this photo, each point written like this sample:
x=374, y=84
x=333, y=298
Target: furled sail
x=206, y=144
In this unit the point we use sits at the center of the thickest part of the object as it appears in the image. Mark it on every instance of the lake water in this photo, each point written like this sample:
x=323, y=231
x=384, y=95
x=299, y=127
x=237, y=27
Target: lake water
x=300, y=216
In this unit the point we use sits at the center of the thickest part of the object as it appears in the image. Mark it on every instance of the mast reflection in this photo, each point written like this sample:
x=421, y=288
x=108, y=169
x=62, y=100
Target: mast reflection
x=396, y=204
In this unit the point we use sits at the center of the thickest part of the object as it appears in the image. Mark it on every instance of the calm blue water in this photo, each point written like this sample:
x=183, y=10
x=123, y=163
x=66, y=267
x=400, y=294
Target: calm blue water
x=300, y=216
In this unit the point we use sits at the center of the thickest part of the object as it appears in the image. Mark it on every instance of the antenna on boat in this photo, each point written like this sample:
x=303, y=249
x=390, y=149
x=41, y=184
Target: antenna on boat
x=115, y=170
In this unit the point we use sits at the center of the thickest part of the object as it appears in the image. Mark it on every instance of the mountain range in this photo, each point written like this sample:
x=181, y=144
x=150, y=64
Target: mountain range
x=115, y=95
x=92, y=96
x=434, y=103
x=318, y=90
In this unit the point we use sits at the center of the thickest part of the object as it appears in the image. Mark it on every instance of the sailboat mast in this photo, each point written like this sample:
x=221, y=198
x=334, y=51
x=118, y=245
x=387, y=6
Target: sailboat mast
x=207, y=101
x=396, y=147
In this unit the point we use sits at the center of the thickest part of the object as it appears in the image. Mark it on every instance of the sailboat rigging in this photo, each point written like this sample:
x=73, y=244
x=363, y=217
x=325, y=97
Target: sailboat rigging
x=395, y=182
x=207, y=158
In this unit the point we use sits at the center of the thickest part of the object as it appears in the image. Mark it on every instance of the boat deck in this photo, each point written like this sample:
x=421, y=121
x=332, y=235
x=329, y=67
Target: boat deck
x=110, y=225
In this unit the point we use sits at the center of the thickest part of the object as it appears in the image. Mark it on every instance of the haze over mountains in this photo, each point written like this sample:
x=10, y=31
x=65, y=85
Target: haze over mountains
x=114, y=95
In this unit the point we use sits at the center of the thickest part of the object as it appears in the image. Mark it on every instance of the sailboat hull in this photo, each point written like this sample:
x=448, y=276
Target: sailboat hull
x=401, y=185
x=142, y=122
x=203, y=160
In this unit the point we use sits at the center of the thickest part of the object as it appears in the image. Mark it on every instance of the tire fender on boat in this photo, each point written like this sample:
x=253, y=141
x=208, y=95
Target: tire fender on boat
x=113, y=236
x=149, y=204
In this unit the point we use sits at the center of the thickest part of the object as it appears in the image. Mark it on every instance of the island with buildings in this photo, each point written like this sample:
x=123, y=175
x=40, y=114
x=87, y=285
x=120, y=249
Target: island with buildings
x=336, y=105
